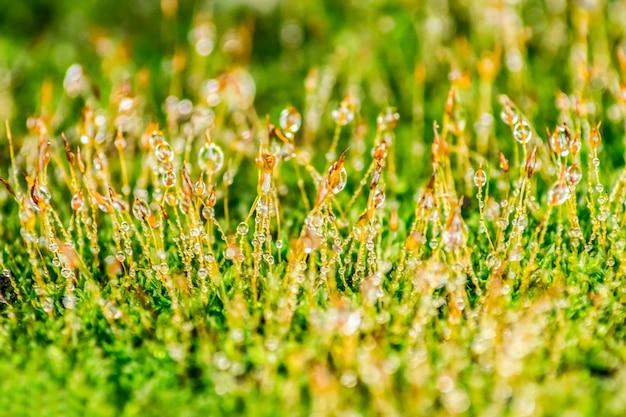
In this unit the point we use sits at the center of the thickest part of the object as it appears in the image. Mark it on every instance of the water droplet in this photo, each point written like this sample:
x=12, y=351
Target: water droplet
x=344, y=114
x=200, y=188
x=341, y=183
x=242, y=229
x=78, y=201
x=387, y=119
x=211, y=157
x=522, y=132
x=164, y=152
x=208, y=212
x=516, y=254
x=480, y=178
x=379, y=198
x=69, y=301
x=493, y=261
x=509, y=116
x=558, y=194
x=47, y=304
x=169, y=179
x=141, y=210
x=559, y=141
x=171, y=199
x=290, y=120
x=574, y=174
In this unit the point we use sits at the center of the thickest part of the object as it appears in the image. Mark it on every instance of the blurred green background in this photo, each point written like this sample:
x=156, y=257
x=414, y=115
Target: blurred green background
x=383, y=52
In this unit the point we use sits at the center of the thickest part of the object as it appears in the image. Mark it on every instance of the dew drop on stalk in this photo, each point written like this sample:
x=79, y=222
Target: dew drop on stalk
x=558, y=193
x=516, y=254
x=379, y=198
x=522, y=132
x=200, y=188
x=120, y=143
x=78, y=201
x=242, y=229
x=69, y=301
x=156, y=139
x=47, y=304
x=141, y=209
x=387, y=119
x=559, y=141
x=480, y=178
x=169, y=179
x=341, y=183
x=208, y=212
x=164, y=152
x=493, y=261
x=522, y=222
x=343, y=115
x=290, y=120
x=211, y=157
x=170, y=199
x=574, y=174
x=509, y=116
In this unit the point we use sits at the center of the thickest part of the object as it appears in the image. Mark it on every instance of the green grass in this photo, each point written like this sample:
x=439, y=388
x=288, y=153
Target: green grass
x=307, y=208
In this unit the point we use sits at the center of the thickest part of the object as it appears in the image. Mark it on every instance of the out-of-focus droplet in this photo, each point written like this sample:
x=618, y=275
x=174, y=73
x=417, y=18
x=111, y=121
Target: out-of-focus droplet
x=387, y=119
x=558, y=193
x=341, y=183
x=574, y=174
x=522, y=132
x=242, y=228
x=290, y=119
x=78, y=201
x=509, y=116
x=211, y=157
x=169, y=179
x=164, y=152
x=75, y=81
x=559, y=141
x=141, y=210
x=480, y=178
x=344, y=114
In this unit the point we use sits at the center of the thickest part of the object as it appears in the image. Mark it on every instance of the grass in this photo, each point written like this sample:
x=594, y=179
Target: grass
x=313, y=209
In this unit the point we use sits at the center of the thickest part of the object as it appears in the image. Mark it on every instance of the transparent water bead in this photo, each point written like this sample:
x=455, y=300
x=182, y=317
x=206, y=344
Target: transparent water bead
x=509, y=116
x=343, y=115
x=493, y=261
x=522, y=132
x=38, y=195
x=242, y=229
x=341, y=183
x=78, y=202
x=164, y=152
x=156, y=139
x=558, y=193
x=211, y=157
x=574, y=174
x=388, y=119
x=141, y=209
x=480, y=178
x=559, y=141
x=69, y=301
x=208, y=212
x=169, y=179
x=379, y=198
x=290, y=119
